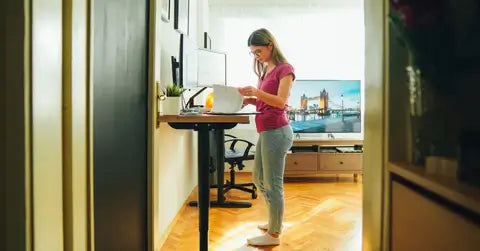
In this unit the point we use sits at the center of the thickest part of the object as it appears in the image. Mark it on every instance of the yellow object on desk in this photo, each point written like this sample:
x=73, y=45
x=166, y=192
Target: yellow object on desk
x=209, y=101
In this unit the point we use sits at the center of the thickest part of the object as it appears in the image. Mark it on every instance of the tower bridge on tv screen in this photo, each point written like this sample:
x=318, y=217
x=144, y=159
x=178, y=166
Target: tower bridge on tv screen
x=324, y=108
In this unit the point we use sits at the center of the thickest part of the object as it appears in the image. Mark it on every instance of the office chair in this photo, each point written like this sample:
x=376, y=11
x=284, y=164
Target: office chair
x=234, y=156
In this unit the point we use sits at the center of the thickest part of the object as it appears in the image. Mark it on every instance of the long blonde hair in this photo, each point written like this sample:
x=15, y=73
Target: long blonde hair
x=263, y=37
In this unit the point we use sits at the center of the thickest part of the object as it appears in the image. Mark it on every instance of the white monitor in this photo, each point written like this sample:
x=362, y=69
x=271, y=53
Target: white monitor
x=188, y=62
x=212, y=68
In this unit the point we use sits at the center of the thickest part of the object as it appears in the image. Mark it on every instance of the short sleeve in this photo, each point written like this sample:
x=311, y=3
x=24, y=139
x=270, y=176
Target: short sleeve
x=285, y=70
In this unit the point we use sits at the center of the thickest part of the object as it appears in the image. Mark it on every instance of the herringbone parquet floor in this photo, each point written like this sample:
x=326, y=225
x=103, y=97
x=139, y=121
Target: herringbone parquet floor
x=320, y=214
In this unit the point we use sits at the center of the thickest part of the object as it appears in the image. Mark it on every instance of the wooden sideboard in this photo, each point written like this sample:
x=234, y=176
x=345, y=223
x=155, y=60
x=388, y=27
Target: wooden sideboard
x=309, y=158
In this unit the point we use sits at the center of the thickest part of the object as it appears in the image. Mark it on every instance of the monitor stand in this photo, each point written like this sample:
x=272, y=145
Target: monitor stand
x=190, y=103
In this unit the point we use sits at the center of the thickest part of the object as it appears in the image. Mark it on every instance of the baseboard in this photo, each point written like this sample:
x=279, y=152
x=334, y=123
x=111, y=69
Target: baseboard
x=167, y=232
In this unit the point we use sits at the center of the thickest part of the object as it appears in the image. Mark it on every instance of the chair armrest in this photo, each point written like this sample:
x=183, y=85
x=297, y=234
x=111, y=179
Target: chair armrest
x=234, y=142
x=229, y=135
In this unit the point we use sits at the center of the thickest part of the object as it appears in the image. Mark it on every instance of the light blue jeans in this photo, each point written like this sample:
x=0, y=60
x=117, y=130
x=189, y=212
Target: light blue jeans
x=271, y=149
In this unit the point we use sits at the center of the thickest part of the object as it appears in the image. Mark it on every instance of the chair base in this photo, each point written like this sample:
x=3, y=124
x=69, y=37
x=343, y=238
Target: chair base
x=243, y=187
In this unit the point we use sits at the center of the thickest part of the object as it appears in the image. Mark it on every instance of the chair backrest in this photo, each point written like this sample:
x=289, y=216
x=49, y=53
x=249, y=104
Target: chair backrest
x=238, y=150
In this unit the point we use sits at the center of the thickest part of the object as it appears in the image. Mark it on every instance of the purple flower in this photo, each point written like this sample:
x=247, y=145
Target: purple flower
x=421, y=14
x=406, y=13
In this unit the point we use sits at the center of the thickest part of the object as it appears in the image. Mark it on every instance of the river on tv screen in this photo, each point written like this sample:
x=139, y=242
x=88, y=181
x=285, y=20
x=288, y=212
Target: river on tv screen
x=325, y=106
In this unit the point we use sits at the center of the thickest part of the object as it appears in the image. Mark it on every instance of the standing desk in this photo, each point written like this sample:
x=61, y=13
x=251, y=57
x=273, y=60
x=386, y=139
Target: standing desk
x=203, y=124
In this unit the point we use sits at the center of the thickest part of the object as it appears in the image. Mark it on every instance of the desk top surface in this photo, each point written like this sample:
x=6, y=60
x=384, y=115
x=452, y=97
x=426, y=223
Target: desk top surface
x=204, y=118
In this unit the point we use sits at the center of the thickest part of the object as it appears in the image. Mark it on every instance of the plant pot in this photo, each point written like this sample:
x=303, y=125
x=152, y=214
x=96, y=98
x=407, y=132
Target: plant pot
x=171, y=106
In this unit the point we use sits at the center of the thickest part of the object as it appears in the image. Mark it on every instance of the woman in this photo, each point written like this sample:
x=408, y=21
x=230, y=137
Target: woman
x=275, y=78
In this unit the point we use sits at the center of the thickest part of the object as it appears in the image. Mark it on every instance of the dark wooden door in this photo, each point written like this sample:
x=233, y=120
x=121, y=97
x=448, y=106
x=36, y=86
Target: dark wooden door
x=120, y=60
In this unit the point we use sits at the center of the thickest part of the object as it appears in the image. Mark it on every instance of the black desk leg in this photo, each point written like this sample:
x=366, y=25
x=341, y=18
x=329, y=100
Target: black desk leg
x=220, y=162
x=203, y=183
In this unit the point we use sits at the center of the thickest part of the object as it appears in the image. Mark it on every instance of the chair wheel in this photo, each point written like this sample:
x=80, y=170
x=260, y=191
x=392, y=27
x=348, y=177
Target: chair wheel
x=254, y=195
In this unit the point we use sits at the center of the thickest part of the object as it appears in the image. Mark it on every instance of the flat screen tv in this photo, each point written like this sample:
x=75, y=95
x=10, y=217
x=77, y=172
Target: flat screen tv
x=325, y=106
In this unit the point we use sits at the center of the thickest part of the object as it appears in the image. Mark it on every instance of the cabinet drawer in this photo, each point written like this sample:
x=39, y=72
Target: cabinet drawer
x=338, y=161
x=426, y=224
x=301, y=162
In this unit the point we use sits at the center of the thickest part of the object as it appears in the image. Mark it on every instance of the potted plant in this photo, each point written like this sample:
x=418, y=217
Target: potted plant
x=171, y=99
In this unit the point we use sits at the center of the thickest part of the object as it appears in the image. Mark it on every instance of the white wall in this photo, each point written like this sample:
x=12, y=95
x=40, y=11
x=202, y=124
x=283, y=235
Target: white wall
x=319, y=43
x=176, y=150
x=321, y=39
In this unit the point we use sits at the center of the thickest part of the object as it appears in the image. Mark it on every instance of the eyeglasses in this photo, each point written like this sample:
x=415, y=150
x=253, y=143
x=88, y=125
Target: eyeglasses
x=255, y=53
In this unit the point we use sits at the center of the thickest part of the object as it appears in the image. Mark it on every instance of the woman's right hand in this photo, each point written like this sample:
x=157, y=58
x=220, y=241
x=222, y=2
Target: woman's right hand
x=249, y=91
x=249, y=101
x=242, y=91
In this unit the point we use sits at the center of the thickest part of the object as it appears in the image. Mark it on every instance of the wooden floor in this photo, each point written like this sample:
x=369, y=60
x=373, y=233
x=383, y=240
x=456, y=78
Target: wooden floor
x=320, y=214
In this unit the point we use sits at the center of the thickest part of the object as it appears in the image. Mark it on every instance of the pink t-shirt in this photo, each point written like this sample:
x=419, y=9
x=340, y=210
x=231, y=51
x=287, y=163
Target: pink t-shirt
x=272, y=117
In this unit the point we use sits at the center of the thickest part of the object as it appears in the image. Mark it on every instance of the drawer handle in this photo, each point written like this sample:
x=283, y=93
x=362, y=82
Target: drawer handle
x=295, y=163
x=341, y=162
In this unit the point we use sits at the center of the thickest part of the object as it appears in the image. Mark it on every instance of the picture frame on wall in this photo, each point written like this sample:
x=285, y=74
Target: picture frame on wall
x=165, y=10
x=207, y=41
x=181, y=16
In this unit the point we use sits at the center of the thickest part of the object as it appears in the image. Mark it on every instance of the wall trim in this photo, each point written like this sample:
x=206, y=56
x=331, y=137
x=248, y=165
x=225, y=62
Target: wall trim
x=374, y=154
x=164, y=236
x=89, y=132
x=152, y=172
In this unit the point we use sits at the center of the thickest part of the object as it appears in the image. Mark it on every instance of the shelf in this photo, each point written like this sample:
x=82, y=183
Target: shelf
x=328, y=142
x=449, y=188
x=324, y=157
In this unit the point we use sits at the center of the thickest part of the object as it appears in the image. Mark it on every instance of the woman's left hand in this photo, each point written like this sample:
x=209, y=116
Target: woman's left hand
x=248, y=91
